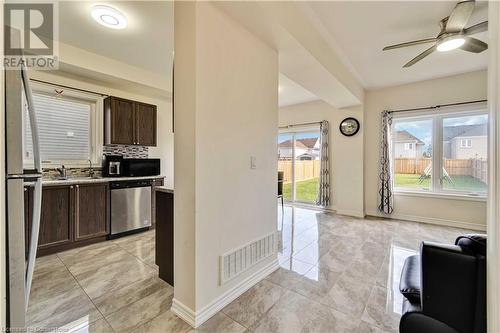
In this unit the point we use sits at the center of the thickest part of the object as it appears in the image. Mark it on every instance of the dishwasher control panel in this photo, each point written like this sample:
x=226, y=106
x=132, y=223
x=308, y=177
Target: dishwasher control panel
x=130, y=183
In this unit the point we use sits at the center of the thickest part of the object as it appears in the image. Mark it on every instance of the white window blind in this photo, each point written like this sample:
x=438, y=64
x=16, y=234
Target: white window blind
x=64, y=129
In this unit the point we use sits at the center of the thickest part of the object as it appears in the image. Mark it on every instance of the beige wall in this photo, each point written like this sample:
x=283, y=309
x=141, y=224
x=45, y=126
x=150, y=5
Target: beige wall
x=459, y=88
x=346, y=153
x=184, y=152
x=226, y=100
x=164, y=148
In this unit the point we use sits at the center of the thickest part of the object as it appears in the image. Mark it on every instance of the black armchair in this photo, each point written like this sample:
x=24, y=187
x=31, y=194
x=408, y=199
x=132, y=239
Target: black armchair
x=445, y=288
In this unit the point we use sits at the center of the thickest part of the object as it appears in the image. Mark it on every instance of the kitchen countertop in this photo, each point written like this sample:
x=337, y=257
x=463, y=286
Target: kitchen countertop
x=164, y=189
x=87, y=180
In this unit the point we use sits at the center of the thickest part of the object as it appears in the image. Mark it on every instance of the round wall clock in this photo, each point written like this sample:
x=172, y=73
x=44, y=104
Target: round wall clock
x=349, y=126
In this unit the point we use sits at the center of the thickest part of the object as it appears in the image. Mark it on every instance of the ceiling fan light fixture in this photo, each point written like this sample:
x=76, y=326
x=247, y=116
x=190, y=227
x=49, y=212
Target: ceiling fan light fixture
x=450, y=43
x=109, y=17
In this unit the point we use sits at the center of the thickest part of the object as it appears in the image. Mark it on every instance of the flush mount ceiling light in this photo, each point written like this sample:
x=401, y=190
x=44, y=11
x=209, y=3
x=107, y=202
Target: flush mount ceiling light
x=109, y=17
x=450, y=43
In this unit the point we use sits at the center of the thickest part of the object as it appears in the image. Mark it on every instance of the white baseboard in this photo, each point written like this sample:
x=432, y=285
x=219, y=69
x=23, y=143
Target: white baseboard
x=331, y=209
x=183, y=312
x=195, y=319
x=430, y=220
x=348, y=212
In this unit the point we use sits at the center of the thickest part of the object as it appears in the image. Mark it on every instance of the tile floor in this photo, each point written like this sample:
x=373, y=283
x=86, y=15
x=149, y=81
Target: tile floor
x=337, y=274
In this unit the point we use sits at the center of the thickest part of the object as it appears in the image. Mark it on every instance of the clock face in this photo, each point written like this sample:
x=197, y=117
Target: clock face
x=349, y=126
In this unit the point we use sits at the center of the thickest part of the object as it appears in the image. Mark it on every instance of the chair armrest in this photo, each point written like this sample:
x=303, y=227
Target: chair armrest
x=409, y=284
x=417, y=322
x=448, y=285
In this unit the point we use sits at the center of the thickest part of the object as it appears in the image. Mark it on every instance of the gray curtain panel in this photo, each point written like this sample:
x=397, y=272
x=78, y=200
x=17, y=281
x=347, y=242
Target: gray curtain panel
x=324, y=177
x=385, y=197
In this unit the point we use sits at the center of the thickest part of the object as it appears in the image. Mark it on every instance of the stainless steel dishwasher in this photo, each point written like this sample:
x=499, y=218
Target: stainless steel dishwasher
x=130, y=206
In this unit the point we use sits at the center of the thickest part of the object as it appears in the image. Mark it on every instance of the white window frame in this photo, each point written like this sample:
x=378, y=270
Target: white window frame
x=408, y=145
x=436, y=189
x=468, y=143
x=95, y=127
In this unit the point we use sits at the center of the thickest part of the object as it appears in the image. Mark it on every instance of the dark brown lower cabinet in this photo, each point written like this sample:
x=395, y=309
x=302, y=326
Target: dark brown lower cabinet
x=56, y=223
x=91, y=211
x=72, y=216
x=164, y=250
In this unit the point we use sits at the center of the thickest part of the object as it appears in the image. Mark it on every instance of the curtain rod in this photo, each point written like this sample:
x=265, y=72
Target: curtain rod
x=68, y=87
x=439, y=106
x=302, y=124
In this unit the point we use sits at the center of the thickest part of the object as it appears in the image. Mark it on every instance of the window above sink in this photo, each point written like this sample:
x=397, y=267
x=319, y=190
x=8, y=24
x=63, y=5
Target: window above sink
x=68, y=124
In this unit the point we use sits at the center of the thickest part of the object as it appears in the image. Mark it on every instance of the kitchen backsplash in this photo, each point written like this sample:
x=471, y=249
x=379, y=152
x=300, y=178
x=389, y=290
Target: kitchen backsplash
x=71, y=172
x=123, y=150
x=126, y=151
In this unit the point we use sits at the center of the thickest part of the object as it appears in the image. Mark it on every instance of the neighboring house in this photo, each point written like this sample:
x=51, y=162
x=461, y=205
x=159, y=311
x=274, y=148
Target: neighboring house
x=406, y=145
x=305, y=149
x=465, y=141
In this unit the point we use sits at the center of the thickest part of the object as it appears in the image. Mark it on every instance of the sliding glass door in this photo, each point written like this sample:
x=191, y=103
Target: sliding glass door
x=299, y=160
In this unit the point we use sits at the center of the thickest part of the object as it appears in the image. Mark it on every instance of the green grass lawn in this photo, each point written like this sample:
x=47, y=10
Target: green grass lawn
x=307, y=190
x=462, y=183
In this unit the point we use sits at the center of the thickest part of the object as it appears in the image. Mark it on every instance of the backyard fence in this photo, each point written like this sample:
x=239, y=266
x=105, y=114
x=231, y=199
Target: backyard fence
x=477, y=168
x=304, y=170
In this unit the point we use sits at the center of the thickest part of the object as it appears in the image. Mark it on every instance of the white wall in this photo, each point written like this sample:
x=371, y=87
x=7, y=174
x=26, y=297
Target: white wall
x=3, y=225
x=493, y=262
x=164, y=148
x=346, y=153
x=459, y=88
x=226, y=100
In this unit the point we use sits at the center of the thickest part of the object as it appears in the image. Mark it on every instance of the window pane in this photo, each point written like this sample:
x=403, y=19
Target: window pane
x=465, y=153
x=285, y=151
x=307, y=166
x=64, y=129
x=412, y=153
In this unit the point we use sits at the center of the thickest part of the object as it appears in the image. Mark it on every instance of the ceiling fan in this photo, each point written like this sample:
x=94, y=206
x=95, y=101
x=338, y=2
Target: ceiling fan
x=453, y=34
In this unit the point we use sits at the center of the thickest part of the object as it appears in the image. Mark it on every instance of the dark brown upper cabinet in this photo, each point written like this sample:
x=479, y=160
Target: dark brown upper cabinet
x=129, y=122
x=145, y=124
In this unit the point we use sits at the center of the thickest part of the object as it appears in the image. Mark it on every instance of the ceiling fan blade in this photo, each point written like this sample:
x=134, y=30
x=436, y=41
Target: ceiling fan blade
x=477, y=28
x=415, y=42
x=474, y=45
x=420, y=56
x=459, y=16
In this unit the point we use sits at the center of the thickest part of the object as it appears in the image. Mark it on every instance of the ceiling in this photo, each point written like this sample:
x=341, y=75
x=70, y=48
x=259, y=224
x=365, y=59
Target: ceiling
x=292, y=93
x=360, y=30
x=146, y=43
x=354, y=31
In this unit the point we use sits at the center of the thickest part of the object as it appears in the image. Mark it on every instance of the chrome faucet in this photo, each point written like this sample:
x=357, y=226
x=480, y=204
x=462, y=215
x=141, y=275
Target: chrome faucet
x=62, y=172
x=91, y=170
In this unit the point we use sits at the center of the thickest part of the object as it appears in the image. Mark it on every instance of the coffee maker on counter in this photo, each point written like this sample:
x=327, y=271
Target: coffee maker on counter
x=112, y=166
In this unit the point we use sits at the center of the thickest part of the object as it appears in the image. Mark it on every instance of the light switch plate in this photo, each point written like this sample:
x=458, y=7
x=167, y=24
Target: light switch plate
x=253, y=162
